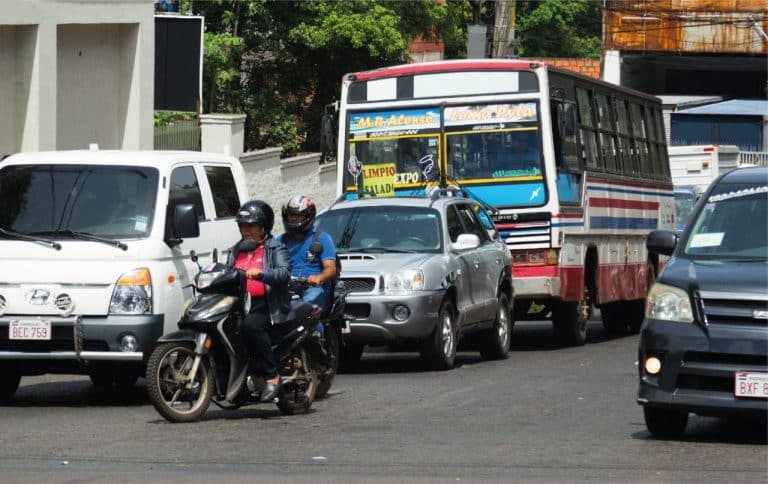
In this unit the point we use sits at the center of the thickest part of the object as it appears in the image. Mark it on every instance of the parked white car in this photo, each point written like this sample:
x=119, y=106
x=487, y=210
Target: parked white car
x=94, y=255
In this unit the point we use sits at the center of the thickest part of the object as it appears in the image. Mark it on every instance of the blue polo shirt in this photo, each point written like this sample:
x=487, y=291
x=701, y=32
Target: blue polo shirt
x=303, y=263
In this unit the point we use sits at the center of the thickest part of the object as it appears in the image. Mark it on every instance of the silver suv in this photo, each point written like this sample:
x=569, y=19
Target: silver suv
x=424, y=273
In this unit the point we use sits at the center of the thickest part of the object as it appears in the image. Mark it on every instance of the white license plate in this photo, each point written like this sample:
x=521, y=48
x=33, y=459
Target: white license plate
x=29, y=329
x=748, y=384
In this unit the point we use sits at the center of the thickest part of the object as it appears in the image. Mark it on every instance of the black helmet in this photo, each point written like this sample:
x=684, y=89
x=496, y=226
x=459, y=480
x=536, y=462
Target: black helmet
x=299, y=205
x=256, y=212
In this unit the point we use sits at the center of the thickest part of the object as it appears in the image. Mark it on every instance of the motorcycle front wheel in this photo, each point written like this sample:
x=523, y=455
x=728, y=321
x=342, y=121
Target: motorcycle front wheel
x=171, y=396
x=299, y=383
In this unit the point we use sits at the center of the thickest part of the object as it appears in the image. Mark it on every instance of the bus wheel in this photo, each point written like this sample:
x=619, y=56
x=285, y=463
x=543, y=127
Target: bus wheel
x=616, y=315
x=569, y=322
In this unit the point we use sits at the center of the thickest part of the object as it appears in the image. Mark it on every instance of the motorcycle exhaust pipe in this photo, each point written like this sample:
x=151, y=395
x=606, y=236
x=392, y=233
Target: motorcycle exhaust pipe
x=290, y=341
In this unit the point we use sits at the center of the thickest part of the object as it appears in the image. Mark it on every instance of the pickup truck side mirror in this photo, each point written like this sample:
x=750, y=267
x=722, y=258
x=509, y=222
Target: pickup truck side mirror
x=184, y=224
x=661, y=242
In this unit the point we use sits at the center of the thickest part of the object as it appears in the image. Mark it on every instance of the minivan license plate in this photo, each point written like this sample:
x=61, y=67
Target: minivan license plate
x=29, y=329
x=749, y=384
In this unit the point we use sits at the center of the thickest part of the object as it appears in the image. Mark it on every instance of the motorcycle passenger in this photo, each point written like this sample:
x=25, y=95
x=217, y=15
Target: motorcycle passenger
x=317, y=263
x=268, y=269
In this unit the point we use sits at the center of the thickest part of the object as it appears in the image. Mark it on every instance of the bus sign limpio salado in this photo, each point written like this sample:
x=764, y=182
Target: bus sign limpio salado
x=380, y=179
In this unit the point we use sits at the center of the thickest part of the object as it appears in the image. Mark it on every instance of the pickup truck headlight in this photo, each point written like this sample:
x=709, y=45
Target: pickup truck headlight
x=405, y=281
x=668, y=303
x=132, y=293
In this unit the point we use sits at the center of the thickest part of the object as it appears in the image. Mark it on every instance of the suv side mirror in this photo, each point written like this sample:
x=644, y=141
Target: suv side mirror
x=661, y=242
x=466, y=242
x=184, y=224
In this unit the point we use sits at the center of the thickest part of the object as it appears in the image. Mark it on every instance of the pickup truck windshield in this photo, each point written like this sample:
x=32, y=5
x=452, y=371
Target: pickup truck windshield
x=56, y=199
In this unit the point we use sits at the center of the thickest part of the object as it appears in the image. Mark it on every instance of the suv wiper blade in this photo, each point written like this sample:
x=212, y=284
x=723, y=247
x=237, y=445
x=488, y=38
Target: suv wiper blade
x=86, y=236
x=50, y=243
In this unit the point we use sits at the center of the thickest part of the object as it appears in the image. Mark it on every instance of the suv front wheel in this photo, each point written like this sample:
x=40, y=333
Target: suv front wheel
x=440, y=349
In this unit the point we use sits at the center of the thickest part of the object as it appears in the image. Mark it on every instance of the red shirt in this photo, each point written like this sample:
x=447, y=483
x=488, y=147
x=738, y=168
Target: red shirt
x=247, y=260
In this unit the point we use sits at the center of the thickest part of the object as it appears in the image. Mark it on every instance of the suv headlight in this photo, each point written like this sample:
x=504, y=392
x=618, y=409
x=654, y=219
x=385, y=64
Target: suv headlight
x=405, y=281
x=668, y=303
x=132, y=293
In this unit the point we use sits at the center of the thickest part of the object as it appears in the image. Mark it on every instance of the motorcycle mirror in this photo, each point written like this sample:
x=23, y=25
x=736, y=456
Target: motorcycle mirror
x=193, y=256
x=215, y=256
x=247, y=245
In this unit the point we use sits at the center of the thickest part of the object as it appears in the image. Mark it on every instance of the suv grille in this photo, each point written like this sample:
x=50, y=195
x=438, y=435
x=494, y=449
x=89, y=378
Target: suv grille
x=360, y=284
x=720, y=308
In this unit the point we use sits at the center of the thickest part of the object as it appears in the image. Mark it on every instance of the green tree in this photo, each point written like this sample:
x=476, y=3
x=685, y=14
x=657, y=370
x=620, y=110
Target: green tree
x=282, y=62
x=559, y=28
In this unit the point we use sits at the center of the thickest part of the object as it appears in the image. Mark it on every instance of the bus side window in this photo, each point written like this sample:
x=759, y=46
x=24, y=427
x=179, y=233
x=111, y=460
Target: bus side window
x=567, y=153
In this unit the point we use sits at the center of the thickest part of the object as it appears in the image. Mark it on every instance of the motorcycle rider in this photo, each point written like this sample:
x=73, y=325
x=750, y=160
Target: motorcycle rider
x=268, y=269
x=318, y=263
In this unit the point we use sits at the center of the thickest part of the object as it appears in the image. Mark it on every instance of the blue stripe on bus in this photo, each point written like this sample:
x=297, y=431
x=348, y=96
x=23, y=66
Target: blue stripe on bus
x=517, y=194
x=623, y=223
x=568, y=224
x=634, y=192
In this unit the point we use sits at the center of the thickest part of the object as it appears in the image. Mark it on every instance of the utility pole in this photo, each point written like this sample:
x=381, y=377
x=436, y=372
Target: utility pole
x=503, y=29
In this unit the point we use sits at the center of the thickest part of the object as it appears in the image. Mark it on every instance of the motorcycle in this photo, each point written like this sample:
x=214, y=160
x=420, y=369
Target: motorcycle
x=207, y=360
x=325, y=350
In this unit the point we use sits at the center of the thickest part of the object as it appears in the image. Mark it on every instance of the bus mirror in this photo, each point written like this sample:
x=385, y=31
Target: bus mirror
x=567, y=113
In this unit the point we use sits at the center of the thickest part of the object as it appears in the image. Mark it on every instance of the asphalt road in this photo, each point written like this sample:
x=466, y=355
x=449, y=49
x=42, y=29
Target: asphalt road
x=544, y=415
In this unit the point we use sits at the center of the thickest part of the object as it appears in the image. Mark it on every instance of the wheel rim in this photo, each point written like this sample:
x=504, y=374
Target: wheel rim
x=299, y=384
x=503, y=318
x=175, y=395
x=447, y=330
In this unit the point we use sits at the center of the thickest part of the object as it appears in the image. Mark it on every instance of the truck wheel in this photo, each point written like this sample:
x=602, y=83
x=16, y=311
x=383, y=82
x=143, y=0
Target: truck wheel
x=495, y=341
x=569, y=322
x=439, y=350
x=9, y=383
x=615, y=316
x=664, y=423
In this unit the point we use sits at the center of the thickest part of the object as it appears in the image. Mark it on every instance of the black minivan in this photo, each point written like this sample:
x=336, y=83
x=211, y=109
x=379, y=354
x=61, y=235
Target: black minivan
x=704, y=340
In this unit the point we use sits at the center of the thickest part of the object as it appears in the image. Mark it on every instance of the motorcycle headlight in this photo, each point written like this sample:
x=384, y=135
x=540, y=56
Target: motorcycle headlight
x=668, y=303
x=132, y=293
x=205, y=279
x=405, y=281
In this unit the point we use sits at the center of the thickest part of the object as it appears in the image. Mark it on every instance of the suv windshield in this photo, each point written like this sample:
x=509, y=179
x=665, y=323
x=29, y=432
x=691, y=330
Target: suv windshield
x=60, y=200
x=731, y=225
x=382, y=228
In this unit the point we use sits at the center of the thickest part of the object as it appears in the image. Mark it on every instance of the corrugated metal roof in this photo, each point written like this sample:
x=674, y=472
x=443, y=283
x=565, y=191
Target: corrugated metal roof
x=744, y=107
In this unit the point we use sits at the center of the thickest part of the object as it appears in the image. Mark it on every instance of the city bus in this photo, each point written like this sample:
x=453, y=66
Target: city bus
x=574, y=169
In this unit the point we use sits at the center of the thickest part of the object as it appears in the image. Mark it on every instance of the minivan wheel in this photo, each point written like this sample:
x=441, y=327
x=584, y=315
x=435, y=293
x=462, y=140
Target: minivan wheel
x=662, y=422
x=9, y=383
x=440, y=349
x=495, y=341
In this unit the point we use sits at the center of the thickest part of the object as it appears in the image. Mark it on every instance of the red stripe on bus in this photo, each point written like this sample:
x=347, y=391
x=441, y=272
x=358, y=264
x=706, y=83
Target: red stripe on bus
x=619, y=203
x=405, y=70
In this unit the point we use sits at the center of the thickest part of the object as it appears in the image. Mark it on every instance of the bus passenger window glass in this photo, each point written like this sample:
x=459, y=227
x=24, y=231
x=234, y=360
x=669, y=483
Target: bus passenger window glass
x=646, y=168
x=622, y=116
x=589, y=149
x=185, y=189
x=225, y=199
x=625, y=155
x=637, y=121
x=608, y=151
x=585, y=107
x=603, y=113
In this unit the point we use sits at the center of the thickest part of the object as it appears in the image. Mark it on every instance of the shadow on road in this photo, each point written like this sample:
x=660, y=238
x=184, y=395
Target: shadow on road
x=77, y=393
x=736, y=430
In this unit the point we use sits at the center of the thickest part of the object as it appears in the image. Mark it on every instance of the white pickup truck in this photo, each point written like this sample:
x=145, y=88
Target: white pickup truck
x=94, y=255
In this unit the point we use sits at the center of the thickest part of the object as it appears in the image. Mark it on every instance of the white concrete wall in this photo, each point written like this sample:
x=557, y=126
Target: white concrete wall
x=73, y=72
x=276, y=181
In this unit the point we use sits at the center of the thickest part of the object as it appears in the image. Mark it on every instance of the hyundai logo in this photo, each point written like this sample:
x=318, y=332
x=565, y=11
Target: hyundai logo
x=38, y=297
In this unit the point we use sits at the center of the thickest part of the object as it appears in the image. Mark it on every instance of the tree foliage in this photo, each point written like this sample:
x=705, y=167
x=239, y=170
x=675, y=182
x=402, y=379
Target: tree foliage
x=559, y=28
x=282, y=62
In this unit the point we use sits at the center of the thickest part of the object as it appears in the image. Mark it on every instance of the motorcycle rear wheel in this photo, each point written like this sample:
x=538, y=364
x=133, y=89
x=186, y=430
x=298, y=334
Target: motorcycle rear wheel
x=299, y=383
x=176, y=402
